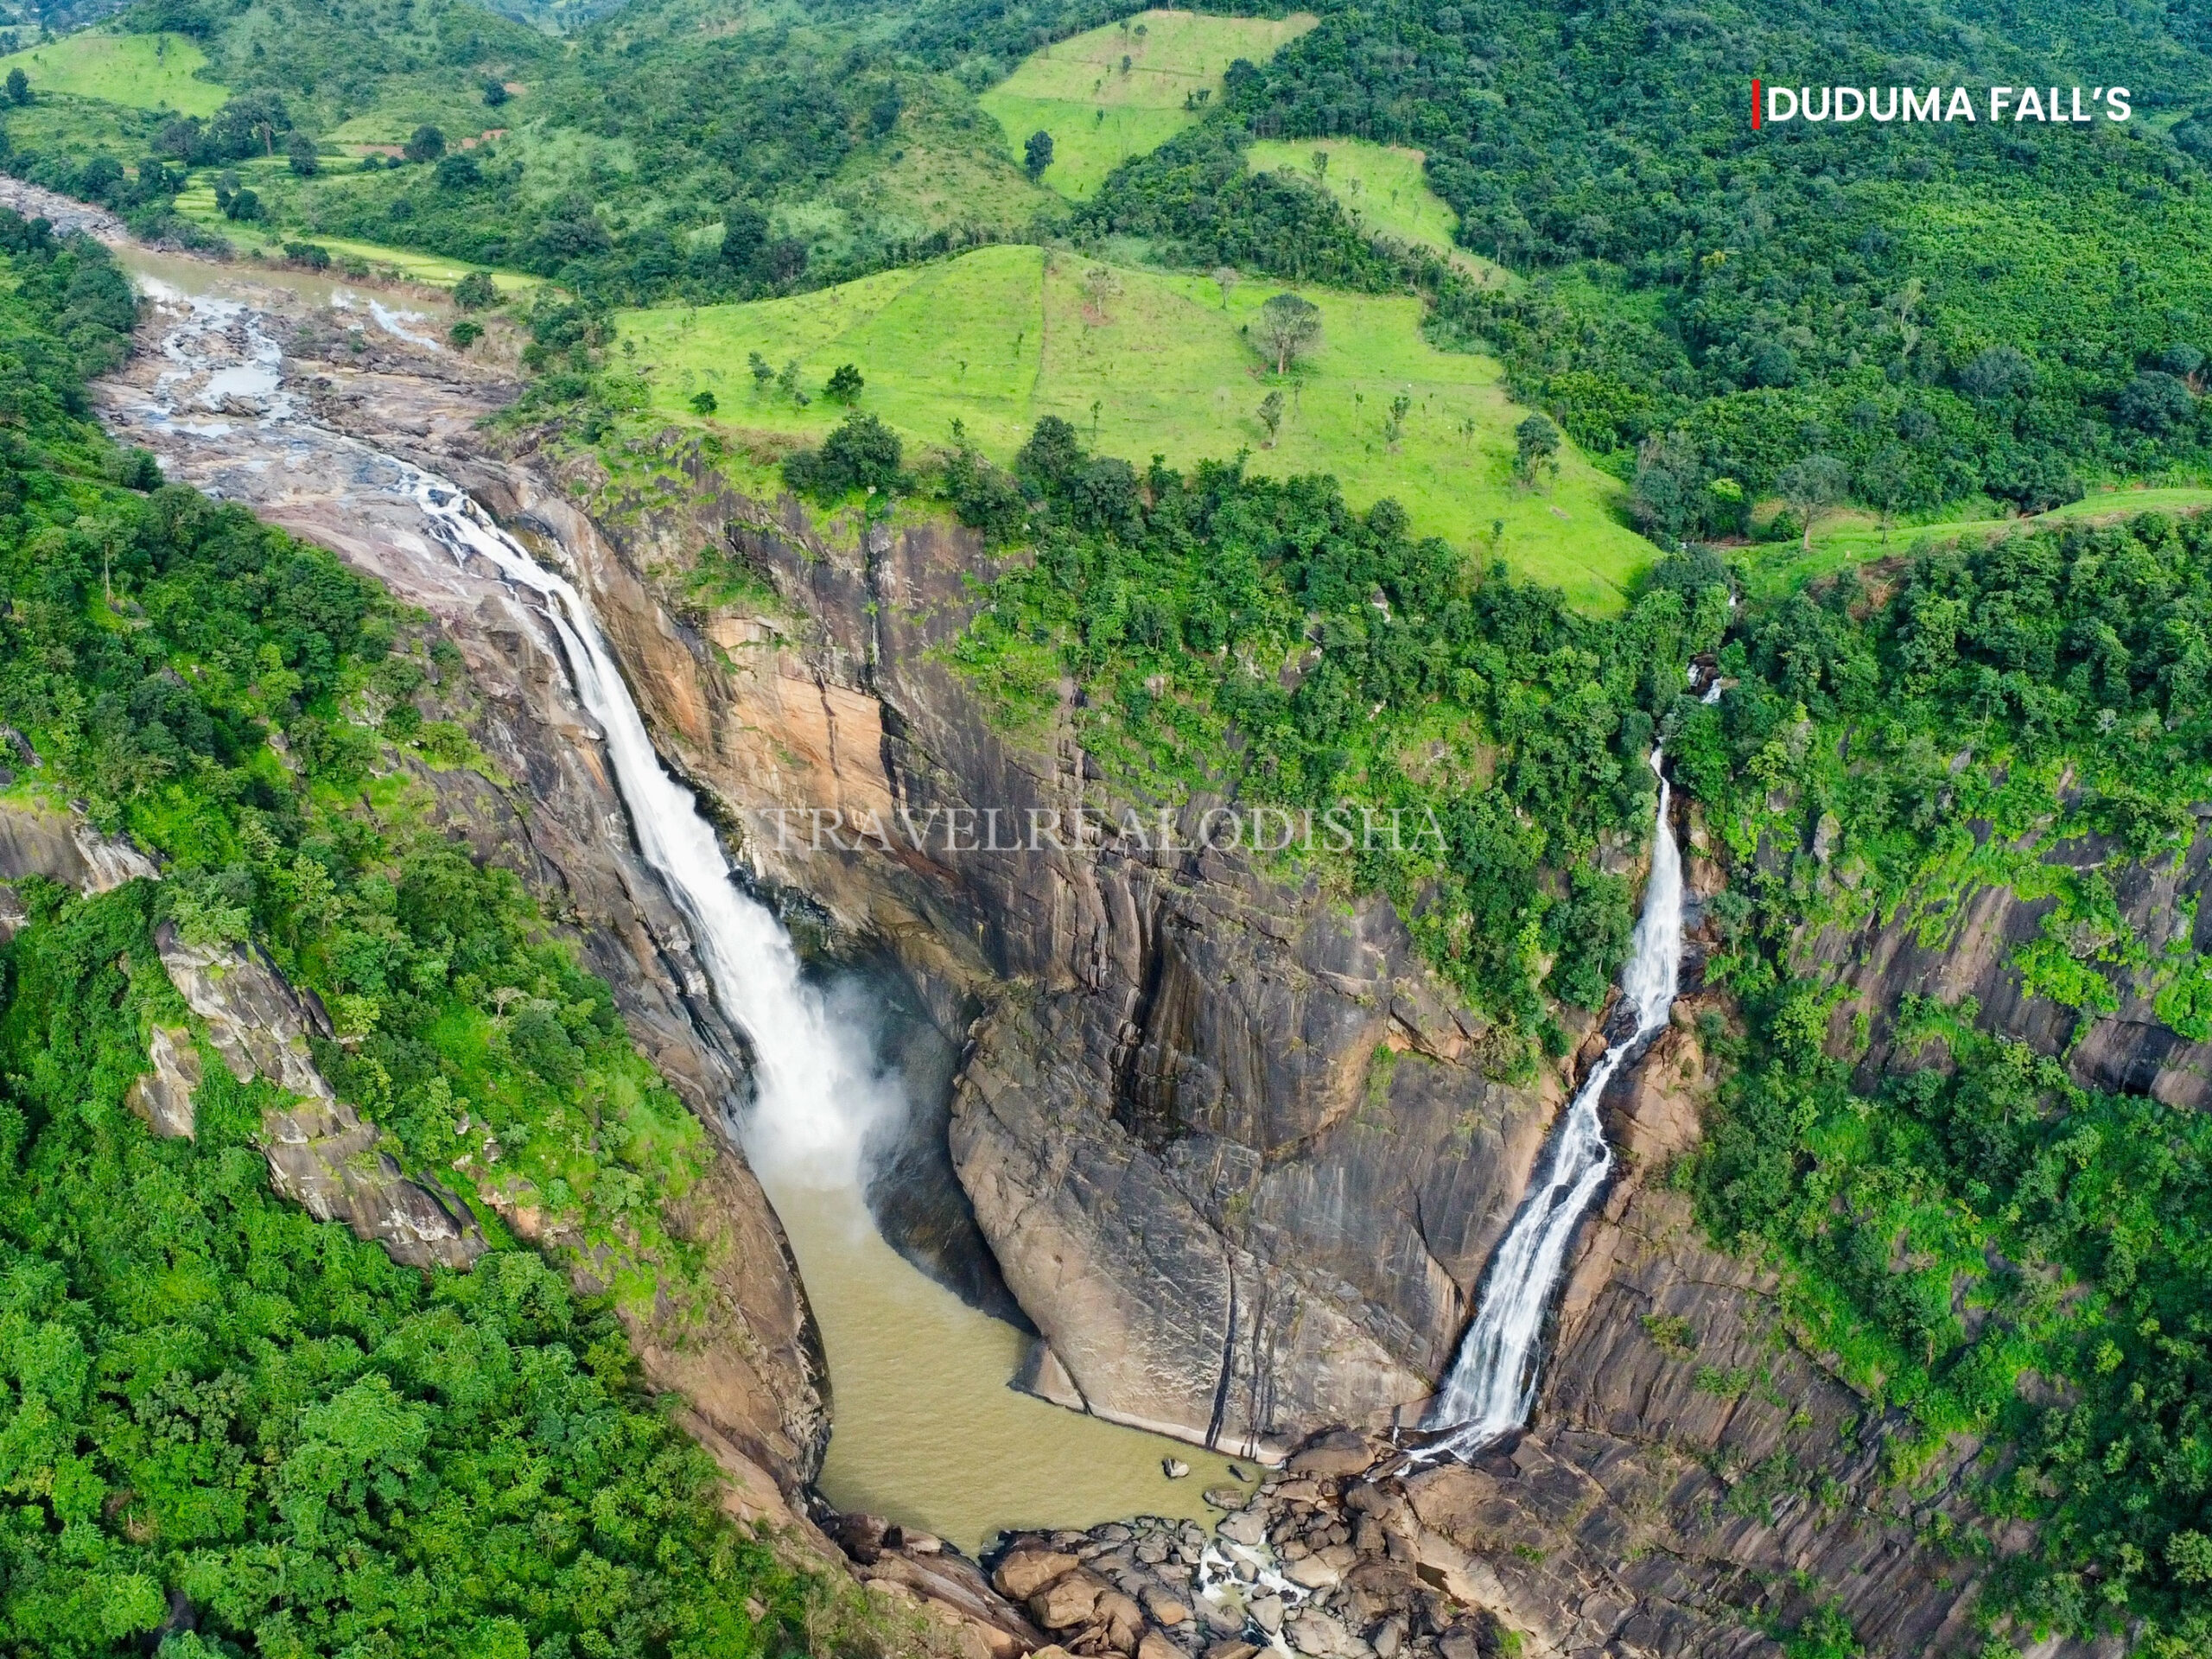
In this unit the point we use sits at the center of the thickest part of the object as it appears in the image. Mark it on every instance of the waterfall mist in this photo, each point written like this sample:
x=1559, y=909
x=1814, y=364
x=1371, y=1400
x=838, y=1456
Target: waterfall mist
x=1493, y=1381
x=819, y=1094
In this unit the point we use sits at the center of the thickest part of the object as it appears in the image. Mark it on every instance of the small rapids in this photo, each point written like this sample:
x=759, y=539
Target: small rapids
x=1493, y=1381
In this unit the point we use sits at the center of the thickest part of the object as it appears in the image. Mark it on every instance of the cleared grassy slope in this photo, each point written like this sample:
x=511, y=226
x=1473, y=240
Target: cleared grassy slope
x=1100, y=114
x=140, y=72
x=1384, y=189
x=1146, y=362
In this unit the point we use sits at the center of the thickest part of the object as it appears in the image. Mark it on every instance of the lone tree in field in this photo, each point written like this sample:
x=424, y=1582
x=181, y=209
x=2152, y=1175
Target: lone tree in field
x=1037, y=154
x=1811, y=488
x=19, y=86
x=1291, y=328
x=426, y=143
x=1535, y=448
x=1271, y=417
x=844, y=385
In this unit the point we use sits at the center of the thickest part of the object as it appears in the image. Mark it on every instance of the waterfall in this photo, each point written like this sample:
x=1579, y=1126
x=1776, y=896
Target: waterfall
x=1493, y=1381
x=817, y=1091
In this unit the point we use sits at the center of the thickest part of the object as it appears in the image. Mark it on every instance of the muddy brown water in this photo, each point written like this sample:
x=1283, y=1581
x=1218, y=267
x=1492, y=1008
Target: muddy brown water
x=927, y=1429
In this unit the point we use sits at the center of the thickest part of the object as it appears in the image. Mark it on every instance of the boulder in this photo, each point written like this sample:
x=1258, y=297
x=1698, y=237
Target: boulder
x=1245, y=1528
x=1341, y=1452
x=1226, y=1498
x=1025, y=1571
x=1164, y=1609
x=1067, y=1601
x=1314, y=1572
x=1156, y=1646
x=1320, y=1636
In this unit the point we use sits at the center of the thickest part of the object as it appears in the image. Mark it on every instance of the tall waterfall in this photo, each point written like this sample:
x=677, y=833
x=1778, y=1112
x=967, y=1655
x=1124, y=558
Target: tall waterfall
x=817, y=1091
x=1493, y=1381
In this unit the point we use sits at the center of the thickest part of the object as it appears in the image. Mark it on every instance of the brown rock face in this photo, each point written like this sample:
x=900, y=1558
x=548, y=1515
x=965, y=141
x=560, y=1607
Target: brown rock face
x=1231, y=1147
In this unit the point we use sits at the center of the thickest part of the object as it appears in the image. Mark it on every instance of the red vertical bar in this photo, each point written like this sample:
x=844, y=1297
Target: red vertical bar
x=1755, y=104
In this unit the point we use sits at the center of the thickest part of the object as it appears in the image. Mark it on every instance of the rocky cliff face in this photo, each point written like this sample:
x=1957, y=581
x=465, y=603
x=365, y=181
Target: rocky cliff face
x=1232, y=1147
x=1968, y=950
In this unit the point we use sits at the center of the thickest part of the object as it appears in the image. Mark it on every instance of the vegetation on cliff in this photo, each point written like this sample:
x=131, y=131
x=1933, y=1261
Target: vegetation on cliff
x=228, y=1426
x=1980, y=1240
x=1977, y=1238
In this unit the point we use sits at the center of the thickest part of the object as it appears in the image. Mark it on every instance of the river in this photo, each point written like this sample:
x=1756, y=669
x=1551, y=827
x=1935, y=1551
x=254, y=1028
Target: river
x=926, y=1429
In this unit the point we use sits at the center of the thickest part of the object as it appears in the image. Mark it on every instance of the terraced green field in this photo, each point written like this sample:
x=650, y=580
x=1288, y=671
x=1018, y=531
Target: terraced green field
x=141, y=72
x=1127, y=88
x=1146, y=362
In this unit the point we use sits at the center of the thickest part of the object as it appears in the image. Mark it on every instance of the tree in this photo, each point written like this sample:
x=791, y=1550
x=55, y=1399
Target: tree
x=1224, y=278
x=1395, y=428
x=459, y=171
x=495, y=92
x=475, y=291
x=1535, y=448
x=1291, y=327
x=19, y=86
x=1811, y=488
x=2157, y=402
x=244, y=205
x=1271, y=416
x=1037, y=154
x=1884, y=480
x=465, y=333
x=300, y=153
x=787, y=382
x=703, y=403
x=249, y=124
x=1998, y=372
x=844, y=385
x=863, y=453
x=426, y=143
x=745, y=234
x=1320, y=166
x=763, y=376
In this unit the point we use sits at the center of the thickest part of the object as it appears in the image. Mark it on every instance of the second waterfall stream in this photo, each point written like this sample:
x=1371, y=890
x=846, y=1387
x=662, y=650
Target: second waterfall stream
x=1493, y=1381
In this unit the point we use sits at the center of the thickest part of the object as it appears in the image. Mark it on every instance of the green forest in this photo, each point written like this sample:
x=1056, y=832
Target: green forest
x=1749, y=331
x=229, y=1429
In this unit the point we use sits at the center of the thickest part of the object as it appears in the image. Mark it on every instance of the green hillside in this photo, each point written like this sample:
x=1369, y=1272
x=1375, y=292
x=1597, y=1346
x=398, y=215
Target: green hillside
x=1124, y=90
x=146, y=72
x=1147, y=362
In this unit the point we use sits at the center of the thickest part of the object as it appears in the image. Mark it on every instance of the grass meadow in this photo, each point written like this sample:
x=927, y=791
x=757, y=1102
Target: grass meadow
x=140, y=72
x=1146, y=362
x=1856, y=537
x=1101, y=114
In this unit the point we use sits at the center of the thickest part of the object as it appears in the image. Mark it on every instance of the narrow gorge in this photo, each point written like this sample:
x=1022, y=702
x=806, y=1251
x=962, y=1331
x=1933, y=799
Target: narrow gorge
x=1205, y=1156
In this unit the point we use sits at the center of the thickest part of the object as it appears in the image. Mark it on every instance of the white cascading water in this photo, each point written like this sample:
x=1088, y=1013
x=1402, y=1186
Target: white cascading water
x=1493, y=1381
x=817, y=1091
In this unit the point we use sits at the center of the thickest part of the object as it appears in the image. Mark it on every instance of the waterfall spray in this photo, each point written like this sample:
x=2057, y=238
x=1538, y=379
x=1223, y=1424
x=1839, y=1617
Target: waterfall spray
x=817, y=1091
x=1493, y=1381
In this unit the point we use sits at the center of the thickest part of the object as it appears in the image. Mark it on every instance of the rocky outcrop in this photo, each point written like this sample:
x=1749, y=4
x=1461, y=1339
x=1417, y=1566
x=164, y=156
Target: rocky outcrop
x=1966, y=947
x=62, y=846
x=163, y=1097
x=322, y=1154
